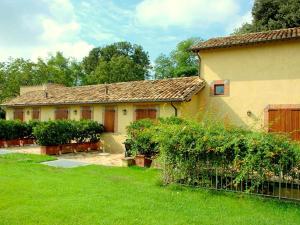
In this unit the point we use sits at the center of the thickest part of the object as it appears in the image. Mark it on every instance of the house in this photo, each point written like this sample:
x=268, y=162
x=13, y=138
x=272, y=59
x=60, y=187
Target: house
x=115, y=105
x=253, y=80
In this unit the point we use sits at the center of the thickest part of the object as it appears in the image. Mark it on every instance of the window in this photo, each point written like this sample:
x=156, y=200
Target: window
x=62, y=114
x=219, y=89
x=86, y=113
x=145, y=114
x=19, y=114
x=36, y=114
x=109, y=120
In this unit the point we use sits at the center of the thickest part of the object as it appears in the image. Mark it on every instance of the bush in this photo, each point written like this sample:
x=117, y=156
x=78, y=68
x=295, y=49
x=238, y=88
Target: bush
x=13, y=129
x=65, y=131
x=186, y=147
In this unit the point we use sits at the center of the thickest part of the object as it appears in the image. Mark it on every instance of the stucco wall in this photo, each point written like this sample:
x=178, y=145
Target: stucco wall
x=259, y=75
x=113, y=142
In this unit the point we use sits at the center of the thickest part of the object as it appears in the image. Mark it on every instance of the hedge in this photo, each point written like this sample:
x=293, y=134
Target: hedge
x=65, y=131
x=14, y=129
x=185, y=146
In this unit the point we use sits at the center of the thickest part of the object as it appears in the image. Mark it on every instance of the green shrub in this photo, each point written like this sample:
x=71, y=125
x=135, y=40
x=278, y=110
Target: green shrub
x=13, y=129
x=65, y=131
x=187, y=147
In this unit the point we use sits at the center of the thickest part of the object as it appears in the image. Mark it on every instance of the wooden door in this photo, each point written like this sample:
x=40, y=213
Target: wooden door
x=285, y=121
x=109, y=120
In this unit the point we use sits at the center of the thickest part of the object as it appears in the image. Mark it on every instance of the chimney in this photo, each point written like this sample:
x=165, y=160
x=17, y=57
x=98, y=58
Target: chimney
x=106, y=89
x=46, y=94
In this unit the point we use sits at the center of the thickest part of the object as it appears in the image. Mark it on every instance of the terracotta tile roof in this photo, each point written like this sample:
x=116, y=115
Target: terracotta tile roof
x=176, y=89
x=249, y=39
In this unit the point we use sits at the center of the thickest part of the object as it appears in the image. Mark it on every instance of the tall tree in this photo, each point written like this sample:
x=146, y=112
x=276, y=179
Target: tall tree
x=180, y=62
x=121, y=61
x=271, y=15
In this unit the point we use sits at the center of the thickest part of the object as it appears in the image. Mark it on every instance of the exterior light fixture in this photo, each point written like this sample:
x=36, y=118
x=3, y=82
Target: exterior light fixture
x=75, y=111
x=249, y=113
x=28, y=112
x=124, y=112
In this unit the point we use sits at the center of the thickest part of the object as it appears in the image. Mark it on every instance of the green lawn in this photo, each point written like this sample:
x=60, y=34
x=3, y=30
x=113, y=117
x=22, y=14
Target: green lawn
x=31, y=193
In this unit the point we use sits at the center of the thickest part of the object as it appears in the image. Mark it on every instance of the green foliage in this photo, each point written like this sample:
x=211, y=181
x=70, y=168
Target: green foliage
x=181, y=61
x=19, y=72
x=13, y=129
x=271, y=15
x=118, y=62
x=187, y=146
x=65, y=131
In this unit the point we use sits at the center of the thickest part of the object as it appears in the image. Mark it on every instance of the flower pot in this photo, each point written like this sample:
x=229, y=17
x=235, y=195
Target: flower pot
x=128, y=161
x=51, y=150
x=2, y=143
x=27, y=141
x=14, y=142
x=69, y=148
x=142, y=161
x=94, y=146
x=83, y=147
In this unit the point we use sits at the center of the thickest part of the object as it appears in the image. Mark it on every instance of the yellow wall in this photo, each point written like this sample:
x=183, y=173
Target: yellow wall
x=113, y=142
x=259, y=75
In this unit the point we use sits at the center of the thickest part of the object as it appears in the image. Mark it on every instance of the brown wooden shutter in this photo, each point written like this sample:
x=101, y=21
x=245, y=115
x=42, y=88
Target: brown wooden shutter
x=61, y=114
x=36, y=114
x=86, y=113
x=285, y=121
x=19, y=114
x=109, y=120
x=145, y=113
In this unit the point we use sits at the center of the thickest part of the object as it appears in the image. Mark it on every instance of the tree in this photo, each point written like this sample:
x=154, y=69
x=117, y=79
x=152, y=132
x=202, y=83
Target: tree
x=19, y=72
x=180, y=62
x=121, y=61
x=271, y=15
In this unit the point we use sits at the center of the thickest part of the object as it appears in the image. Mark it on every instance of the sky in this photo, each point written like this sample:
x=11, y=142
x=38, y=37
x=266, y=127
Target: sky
x=37, y=28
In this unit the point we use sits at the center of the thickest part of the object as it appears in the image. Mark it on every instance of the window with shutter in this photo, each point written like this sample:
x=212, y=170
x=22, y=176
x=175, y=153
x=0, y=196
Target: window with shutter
x=86, y=113
x=145, y=114
x=19, y=114
x=109, y=120
x=36, y=114
x=62, y=114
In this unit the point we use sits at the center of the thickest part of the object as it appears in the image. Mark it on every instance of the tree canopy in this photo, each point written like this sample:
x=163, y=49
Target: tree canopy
x=271, y=15
x=19, y=72
x=180, y=62
x=121, y=61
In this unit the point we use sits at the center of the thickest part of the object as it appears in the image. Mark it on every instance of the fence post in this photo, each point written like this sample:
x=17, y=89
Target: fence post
x=280, y=180
x=216, y=178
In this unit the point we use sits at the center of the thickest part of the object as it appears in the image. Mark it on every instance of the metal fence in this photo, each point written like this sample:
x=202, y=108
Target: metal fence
x=280, y=185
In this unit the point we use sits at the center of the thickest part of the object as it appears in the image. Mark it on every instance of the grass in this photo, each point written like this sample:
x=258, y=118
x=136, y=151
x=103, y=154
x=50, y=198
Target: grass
x=31, y=193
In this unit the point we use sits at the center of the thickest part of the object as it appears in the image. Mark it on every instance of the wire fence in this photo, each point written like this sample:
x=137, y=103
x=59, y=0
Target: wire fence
x=279, y=185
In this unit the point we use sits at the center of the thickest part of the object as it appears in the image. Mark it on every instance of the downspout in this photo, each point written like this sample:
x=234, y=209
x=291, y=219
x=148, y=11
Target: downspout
x=175, y=109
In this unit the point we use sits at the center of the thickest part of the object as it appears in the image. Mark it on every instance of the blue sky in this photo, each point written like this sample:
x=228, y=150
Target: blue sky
x=35, y=28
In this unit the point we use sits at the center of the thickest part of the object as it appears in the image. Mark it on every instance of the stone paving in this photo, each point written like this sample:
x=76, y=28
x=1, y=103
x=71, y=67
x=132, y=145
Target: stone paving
x=63, y=163
x=4, y=152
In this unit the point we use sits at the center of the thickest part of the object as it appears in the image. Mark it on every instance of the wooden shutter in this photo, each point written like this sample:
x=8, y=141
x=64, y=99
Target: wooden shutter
x=19, y=114
x=61, y=114
x=285, y=121
x=109, y=120
x=145, y=113
x=86, y=113
x=36, y=114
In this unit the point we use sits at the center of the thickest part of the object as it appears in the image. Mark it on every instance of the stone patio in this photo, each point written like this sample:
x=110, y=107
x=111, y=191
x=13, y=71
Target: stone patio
x=93, y=157
x=63, y=163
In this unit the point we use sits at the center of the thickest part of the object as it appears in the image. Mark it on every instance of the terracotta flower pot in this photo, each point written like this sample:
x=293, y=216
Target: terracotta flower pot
x=14, y=142
x=51, y=150
x=27, y=141
x=142, y=161
x=69, y=148
x=2, y=143
x=94, y=146
x=83, y=147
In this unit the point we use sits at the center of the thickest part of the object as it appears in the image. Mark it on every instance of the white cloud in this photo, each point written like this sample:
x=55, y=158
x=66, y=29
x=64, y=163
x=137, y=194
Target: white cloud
x=55, y=28
x=240, y=20
x=201, y=13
